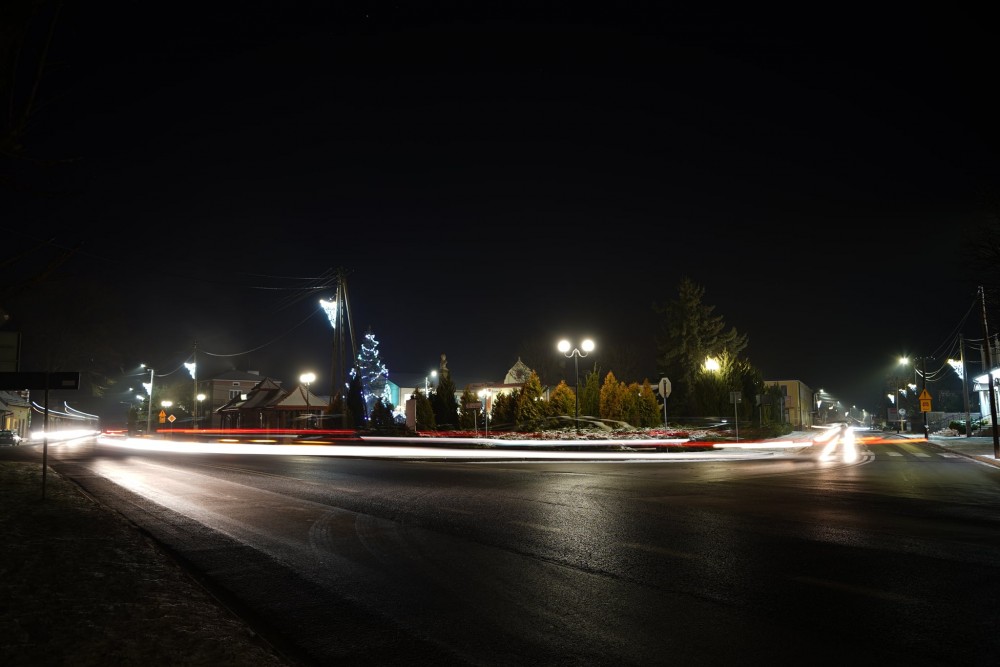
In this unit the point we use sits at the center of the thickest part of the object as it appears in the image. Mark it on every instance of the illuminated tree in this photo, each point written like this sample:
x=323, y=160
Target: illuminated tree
x=372, y=372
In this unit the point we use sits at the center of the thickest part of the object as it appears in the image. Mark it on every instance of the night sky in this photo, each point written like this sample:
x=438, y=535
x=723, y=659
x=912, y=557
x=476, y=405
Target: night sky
x=495, y=179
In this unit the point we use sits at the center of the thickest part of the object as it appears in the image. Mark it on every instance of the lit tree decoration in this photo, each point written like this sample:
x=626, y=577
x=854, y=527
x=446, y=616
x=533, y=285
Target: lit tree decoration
x=191, y=369
x=374, y=374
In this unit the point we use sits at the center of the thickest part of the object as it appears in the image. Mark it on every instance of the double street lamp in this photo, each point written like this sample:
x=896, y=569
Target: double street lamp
x=565, y=347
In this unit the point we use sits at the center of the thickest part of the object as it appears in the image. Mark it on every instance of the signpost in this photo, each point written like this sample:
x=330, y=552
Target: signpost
x=475, y=421
x=664, y=388
x=925, y=407
x=736, y=397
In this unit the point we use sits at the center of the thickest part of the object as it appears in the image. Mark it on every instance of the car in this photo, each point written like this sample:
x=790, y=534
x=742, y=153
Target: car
x=9, y=438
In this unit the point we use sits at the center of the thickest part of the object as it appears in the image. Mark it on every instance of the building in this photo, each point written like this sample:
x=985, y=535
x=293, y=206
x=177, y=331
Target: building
x=798, y=404
x=269, y=406
x=15, y=412
x=222, y=390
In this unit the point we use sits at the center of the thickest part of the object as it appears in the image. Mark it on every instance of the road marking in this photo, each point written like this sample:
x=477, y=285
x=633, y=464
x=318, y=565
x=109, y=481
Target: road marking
x=922, y=455
x=894, y=453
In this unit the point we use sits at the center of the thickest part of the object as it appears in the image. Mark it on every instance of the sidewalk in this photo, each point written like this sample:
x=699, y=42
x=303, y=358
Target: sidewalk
x=979, y=448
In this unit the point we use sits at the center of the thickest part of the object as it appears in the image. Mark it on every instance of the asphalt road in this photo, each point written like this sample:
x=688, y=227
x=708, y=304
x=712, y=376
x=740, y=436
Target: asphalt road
x=889, y=557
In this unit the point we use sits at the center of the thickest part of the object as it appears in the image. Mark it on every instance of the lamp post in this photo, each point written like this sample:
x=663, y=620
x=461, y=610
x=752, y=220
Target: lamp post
x=485, y=395
x=564, y=347
x=149, y=408
x=307, y=379
x=200, y=398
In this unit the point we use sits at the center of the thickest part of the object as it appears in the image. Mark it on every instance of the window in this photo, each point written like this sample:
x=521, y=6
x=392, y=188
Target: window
x=234, y=393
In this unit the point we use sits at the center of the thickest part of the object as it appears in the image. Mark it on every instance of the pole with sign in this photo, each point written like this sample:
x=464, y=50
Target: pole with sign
x=736, y=398
x=664, y=388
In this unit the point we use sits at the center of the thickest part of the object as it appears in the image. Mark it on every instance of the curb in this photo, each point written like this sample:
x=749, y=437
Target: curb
x=983, y=458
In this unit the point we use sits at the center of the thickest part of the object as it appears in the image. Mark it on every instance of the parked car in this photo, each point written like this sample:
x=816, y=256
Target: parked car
x=9, y=438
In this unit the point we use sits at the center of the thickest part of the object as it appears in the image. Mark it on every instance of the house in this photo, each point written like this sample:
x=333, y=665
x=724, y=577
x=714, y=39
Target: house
x=268, y=406
x=15, y=412
x=798, y=404
x=222, y=390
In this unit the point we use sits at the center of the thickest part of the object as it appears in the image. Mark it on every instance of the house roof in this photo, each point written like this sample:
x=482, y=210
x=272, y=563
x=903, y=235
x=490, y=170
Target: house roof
x=240, y=375
x=300, y=397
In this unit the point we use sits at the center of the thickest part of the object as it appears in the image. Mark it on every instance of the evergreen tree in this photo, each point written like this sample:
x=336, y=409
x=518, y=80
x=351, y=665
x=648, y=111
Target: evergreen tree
x=689, y=334
x=468, y=417
x=381, y=416
x=530, y=406
x=612, y=398
x=424, y=412
x=590, y=394
x=357, y=411
x=444, y=403
x=649, y=413
x=373, y=373
x=562, y=400
x=504, y=413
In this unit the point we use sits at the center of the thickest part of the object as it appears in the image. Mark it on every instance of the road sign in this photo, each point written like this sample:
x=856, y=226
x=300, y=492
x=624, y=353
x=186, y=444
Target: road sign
x=925, y=395
x=735, y=397
x=664, y=387
x=925, y=405
x=171, y=419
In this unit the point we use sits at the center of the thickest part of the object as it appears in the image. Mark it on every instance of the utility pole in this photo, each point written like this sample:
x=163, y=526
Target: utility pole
x=965, y=387
x=923, y=388
x=989, y=377
x=341, y=322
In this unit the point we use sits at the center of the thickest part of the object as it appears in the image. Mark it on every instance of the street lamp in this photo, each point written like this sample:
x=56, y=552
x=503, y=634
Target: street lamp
x=149, y=409
x=200, y=398
x=485, y=395
x=307, y=379
x=564, y=347
x=433, y=374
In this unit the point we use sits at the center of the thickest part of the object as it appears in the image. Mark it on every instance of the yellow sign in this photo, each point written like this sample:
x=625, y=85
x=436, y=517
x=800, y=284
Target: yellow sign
x=925, y=405
x=163, y=415
x=925, y=395
x=171, y=419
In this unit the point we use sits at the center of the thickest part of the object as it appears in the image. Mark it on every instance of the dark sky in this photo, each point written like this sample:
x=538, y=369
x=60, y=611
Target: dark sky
x=495, y=179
